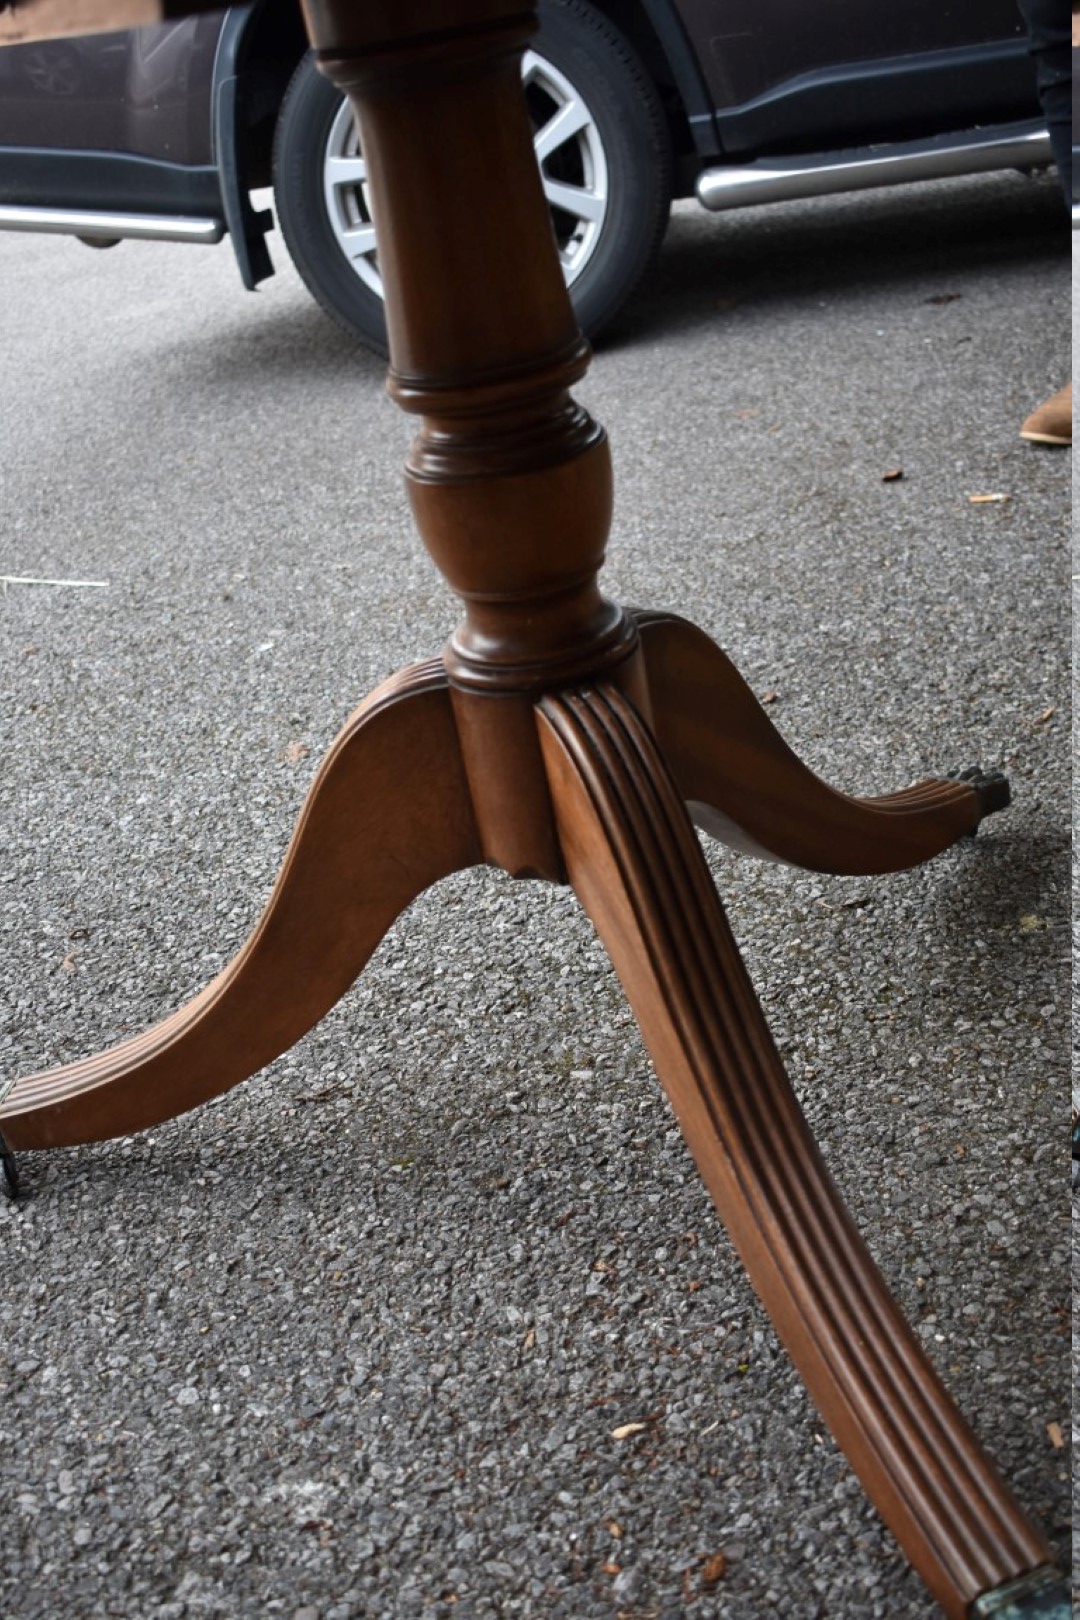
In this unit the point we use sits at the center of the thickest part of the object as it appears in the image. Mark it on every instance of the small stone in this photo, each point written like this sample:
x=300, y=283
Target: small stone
x=625, y=1585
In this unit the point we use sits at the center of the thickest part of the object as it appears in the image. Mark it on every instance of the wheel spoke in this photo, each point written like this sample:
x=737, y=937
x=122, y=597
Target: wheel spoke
x=346, y=171
x=575, y=200
x=569, y=121
x=567, y=140
x=358, y=241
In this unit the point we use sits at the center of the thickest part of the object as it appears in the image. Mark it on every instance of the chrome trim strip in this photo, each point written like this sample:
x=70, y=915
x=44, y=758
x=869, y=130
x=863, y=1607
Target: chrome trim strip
x=110, y=227
x=781, y=180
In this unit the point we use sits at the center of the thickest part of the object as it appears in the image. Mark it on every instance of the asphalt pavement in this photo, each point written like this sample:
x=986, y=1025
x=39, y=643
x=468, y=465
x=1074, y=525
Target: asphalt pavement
x=358, y=1340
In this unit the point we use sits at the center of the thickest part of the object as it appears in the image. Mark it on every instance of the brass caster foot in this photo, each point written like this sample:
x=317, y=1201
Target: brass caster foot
x=9, y=1174
x=992, y=788
x=1041, y=1593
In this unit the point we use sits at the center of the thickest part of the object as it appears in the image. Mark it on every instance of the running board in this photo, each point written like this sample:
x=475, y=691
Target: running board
x=98, y=227
x=1014, y=146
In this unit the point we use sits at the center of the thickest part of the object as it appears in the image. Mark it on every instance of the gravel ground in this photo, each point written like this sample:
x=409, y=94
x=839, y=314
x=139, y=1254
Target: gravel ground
x=1075, y=1030
x=353, y=1340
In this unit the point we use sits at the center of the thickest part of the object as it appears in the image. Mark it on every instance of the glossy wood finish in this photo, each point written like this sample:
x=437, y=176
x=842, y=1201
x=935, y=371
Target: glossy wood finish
x=529, y=746
x=636, y=866
x=746, y=787
x=509, y=479
x=387, y=815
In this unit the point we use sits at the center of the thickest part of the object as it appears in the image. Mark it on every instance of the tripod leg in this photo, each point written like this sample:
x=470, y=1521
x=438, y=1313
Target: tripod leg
x=388, y=814
x=746, y=787
x=636, y=866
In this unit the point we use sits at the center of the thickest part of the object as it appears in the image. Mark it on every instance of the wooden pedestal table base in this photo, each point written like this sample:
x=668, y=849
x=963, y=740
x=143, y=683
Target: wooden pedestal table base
x=390, y=812
x=562, y=738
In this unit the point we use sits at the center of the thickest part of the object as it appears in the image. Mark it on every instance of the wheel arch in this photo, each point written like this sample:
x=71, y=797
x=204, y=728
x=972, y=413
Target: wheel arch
x=261, y=45
x=657, y=32
x=258, y=50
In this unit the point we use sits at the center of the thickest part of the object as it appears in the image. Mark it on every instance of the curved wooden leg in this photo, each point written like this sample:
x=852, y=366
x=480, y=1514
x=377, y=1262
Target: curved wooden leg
x=636, y=865
x=746, y=787
x=388, y=814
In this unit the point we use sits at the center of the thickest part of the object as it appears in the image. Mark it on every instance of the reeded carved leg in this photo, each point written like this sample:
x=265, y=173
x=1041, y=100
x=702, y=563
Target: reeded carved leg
x=636, y=866
x=745, y=786
x=388, y=814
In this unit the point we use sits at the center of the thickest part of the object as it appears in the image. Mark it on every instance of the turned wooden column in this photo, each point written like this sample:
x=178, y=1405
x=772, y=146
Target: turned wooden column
x=509, y=479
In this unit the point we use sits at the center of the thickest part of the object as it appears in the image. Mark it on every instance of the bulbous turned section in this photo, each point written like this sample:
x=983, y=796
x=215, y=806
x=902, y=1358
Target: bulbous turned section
x=534, y=615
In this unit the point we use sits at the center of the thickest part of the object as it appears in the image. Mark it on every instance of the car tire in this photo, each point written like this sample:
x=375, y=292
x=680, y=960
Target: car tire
x=618, y=164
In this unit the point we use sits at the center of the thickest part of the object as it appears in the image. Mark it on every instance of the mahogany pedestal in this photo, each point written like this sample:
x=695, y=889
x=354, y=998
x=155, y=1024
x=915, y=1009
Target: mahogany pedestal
x=562, y=738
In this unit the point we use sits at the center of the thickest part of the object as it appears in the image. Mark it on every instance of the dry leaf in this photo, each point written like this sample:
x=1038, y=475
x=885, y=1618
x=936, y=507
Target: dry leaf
x=68, y=964
x=625, y=1430
x=295, y=752
x=529, y=1341
x=1031, y=924
x=893, y=475
x=988, y=500
x=1041, y=719
x=611, y=1569
x=1057, y=1439
x=615, y=1528
x=713, y=1570
x=769, y=697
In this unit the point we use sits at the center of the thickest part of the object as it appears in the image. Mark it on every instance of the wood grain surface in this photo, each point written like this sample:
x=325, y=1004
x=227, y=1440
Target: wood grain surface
x=387, y=815
x=636, y=866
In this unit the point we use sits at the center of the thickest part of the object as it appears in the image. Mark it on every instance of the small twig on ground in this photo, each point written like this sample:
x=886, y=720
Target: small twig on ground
x=69, y=584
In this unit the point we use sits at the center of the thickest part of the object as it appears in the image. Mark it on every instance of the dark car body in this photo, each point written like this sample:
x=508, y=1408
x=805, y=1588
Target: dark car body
x=165, y=131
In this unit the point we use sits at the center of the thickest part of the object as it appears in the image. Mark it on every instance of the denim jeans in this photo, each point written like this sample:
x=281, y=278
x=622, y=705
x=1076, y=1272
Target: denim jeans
x=1049, y=27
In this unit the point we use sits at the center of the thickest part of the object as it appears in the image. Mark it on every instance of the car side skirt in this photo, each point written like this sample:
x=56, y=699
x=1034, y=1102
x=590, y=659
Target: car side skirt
x=900, y=98
x=118, y=182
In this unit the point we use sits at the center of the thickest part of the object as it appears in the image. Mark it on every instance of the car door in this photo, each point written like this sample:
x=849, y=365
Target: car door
x=94, y=92
x=795, y=75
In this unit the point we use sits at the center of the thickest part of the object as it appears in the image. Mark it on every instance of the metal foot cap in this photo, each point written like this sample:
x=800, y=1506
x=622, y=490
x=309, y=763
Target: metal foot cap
x=992, y=788
x=1041, y=1593
x=9, y=1174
